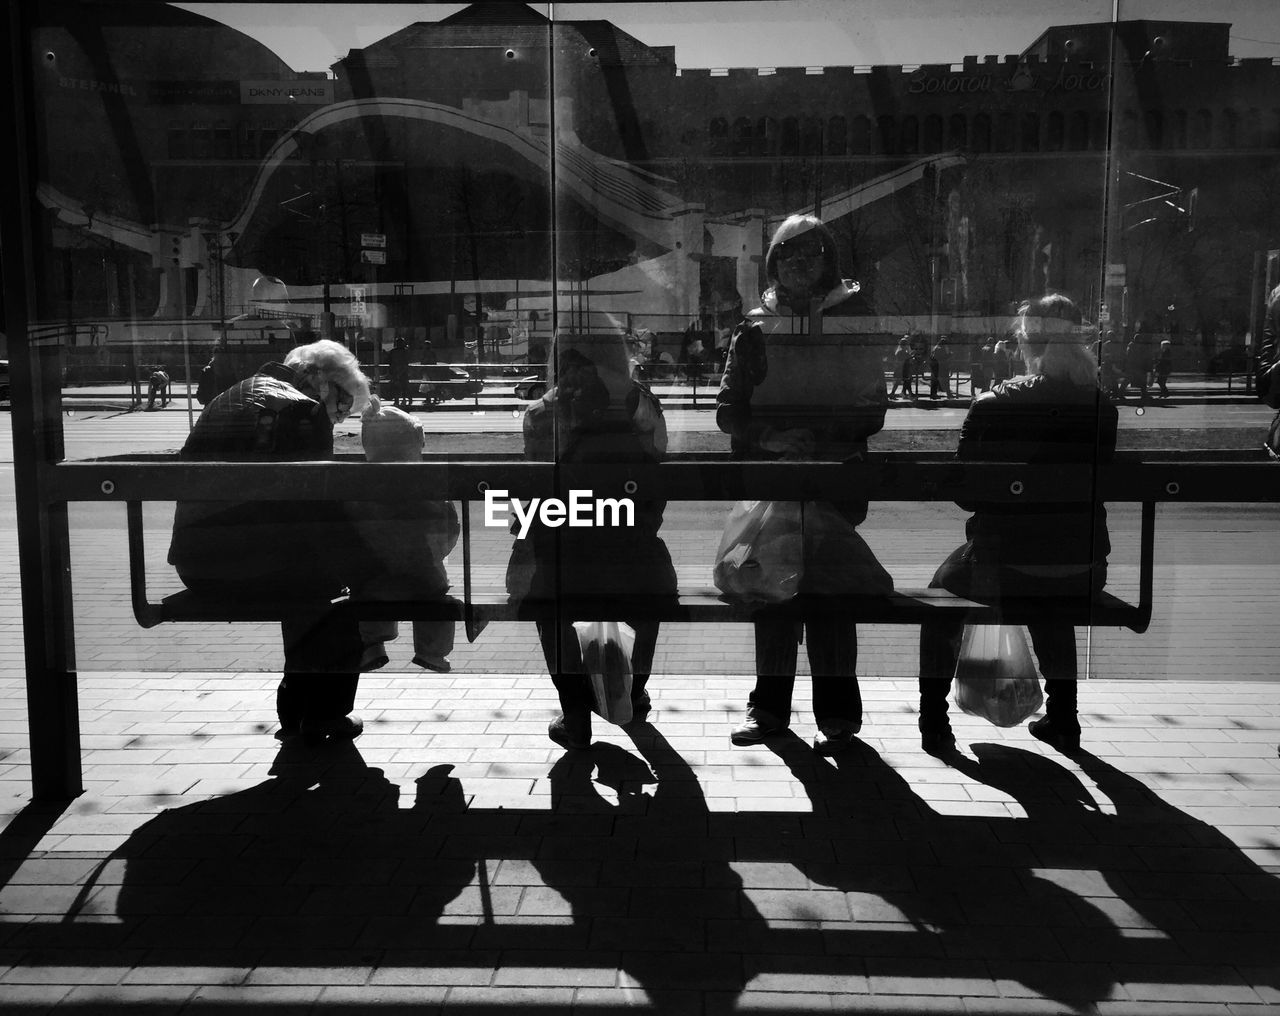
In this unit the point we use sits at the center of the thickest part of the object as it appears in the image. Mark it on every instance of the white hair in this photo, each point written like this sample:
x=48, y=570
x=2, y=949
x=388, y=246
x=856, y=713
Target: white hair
x=325, y=362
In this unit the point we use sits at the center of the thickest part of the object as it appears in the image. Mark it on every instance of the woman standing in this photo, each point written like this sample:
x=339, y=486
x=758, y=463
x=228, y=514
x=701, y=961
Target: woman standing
x=1055, y=414
x=803, y=380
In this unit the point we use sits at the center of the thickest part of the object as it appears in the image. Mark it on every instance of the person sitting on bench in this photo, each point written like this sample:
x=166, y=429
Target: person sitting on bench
x=1054, y=414
x=285, y=550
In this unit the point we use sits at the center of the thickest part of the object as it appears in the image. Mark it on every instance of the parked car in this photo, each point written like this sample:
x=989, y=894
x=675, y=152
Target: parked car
x=440, y=382
x=1231, y=360
x=531, y=388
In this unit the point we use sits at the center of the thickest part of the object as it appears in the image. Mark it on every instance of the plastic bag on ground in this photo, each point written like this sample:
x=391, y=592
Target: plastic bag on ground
x=996, y=677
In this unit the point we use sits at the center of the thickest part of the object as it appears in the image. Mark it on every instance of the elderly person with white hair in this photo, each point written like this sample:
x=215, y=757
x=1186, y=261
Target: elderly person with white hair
x=285, y=549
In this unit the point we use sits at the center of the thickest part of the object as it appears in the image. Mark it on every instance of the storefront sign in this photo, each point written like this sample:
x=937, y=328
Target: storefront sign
x=318, y=92
x=922, y=82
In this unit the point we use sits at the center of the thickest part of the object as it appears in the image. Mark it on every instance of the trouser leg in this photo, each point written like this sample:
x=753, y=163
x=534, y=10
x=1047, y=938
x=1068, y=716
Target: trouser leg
x=939, y=642
x=776, y=643
x=321, y=668
x=564, y=662
x=315, y=696
x=1055, y=647
x=646, y=645
x=832, y=646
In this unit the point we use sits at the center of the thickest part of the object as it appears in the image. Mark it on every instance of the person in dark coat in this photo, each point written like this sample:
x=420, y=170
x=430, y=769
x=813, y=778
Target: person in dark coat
x=594, y=412
x=804, y=380
x=285, y=550
x=1054, y=414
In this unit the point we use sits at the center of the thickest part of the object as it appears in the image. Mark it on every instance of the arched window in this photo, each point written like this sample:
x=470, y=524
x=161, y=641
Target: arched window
x=267, y=135
x=177, y=139
x=1202, y=129
x=201, y=140
x=860, y=136
x=766, y=140
x=742, y=136
x=1055, y=131
x=1230, y=137
x=790, y=136
x=887, y=128
x=1078, y=131
x=718, y=135
x=1153, y=128
x=932, y=139
x=837, y=136
x=981, y=139
x=1098, y=138
x=1004, y=132
x=1178, y=129
x=1029, y=132
x=811, y=137
x=1253, y=128
x=910, y=144
x=957, y=131
x=222, y=140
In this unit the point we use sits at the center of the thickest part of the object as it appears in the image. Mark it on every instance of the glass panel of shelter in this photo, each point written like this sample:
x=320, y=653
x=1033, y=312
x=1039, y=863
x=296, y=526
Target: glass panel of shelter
x=477, y=187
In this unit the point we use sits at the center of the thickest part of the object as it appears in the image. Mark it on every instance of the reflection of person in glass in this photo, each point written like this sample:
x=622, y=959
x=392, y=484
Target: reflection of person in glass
x=595, y=412
x=1055, y=414
x=800, y=382
x=287, y=550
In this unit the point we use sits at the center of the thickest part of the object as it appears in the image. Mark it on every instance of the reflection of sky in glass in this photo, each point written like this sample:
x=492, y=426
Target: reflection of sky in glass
x=764, y=34
x=267, y=288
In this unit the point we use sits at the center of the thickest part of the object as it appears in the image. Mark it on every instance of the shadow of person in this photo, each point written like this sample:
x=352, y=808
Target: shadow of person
x=1170, y=872
x=307, y=868
x=965, y=888
x=646, y=883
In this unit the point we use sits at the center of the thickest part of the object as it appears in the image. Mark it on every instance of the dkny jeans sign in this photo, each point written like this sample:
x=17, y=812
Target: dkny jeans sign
x=318, y=92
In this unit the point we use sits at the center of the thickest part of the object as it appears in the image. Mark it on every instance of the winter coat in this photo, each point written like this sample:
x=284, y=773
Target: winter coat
x=304, y=549
x=1267, y=370
x=1038, y=419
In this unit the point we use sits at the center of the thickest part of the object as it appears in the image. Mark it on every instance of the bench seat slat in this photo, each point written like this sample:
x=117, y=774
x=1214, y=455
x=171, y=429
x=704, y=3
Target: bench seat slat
x=697, y=604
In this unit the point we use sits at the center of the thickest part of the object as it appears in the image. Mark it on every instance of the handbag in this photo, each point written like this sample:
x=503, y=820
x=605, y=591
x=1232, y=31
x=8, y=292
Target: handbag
x=606, y=655
x=996, y=677
x=761, y=554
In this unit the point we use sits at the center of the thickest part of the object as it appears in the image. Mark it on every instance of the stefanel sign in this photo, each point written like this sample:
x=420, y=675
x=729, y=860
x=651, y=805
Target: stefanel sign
x=924, y=82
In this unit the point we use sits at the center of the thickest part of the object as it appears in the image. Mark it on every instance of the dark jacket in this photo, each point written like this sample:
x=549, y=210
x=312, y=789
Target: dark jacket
x=1039, y=419
x=304, y=549
x=833, y=377
x=580, y=426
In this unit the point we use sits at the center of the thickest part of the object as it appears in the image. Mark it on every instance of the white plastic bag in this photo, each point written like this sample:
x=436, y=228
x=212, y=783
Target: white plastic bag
x=996, y=677
x=606, y=654
x=761, y=554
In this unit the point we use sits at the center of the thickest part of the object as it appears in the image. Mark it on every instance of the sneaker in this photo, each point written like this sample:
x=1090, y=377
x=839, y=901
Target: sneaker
x=1057, y=735
x=341, y=728
x=571, y=730
x=834, y=736
x=758, y=726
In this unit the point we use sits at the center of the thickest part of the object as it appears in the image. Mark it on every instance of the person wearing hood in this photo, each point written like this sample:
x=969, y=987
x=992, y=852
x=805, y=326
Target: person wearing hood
x=804, y=380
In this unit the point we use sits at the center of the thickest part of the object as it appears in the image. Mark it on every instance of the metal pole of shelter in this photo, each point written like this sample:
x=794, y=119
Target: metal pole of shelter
x=36, y=413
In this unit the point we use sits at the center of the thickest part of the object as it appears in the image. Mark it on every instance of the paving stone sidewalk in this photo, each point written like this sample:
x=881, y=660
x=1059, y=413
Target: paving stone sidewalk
x=454, y=860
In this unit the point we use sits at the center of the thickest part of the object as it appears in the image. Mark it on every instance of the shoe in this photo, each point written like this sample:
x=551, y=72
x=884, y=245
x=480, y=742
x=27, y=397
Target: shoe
x=1058, y=735
x=341, y=728
x=437, y=663
x=641, y=704
x=373, y=658
x=757, y=726
x=936, y=738
x=834, y=736
x=571, y=730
